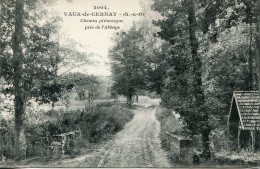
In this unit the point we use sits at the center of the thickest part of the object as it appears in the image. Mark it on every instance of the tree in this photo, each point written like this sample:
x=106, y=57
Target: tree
x=28, y=54
x=156, y=51
x=211, y=54
x=243, y=11
x=218, y=59
x=227, y=68
x=242, y=15
x=197, y=78
x=83, y=84
x=18, y=63
x=73, y=55
x=128, y=63
x=258, y=44
x=180, y=20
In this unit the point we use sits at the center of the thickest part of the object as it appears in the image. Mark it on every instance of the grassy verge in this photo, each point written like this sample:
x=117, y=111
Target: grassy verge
x=220, y=156
x=169, y=123
x=97, y=125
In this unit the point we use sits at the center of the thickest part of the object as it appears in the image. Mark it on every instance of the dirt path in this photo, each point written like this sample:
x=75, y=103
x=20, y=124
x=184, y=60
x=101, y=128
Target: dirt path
x=137, y=145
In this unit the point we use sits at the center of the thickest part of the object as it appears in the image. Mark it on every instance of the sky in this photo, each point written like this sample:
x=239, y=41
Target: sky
x=96, y=41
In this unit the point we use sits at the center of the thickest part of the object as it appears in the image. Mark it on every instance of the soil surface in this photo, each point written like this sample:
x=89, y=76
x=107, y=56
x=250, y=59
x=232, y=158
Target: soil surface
x=137, y=145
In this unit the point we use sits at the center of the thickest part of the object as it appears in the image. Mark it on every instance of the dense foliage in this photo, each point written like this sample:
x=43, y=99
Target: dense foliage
x=31, y=56
x=96, y=125
x=86, y=86
x=207, y=50
x=127, y=63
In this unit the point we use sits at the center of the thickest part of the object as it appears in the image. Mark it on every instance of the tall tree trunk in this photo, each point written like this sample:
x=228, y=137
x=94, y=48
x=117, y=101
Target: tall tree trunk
x=197, y=78
x=18, y=84
x=250, y=59
x=129, y=99
x=52, y=104
x=258, y=44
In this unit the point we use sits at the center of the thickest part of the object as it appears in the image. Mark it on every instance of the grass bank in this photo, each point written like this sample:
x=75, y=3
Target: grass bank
x=169, y=123
x=96, y=124
x=220, y=156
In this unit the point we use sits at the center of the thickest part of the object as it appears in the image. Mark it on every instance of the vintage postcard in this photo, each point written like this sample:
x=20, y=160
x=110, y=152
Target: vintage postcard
x=129, y=84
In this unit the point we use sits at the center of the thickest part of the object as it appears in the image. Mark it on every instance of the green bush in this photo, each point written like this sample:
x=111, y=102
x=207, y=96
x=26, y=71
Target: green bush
x=96, y=124
x=220, y=140
x=168, y=124
x=7, y=137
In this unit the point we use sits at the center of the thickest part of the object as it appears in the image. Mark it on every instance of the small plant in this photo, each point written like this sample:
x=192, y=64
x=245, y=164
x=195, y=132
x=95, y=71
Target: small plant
x=41, y=126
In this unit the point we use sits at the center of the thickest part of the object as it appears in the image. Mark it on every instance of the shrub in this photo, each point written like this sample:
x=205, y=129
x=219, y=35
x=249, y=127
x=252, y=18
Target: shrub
x=96, y=125
x=169, y=123
x=7, y=138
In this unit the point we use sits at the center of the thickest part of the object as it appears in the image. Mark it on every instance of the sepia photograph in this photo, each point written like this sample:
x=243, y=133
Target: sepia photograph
x=129, y=84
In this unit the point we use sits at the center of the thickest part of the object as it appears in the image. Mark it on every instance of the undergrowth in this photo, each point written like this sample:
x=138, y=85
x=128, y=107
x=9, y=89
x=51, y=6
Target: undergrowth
x=96, y=125
x=221, y=154
x=169, y=123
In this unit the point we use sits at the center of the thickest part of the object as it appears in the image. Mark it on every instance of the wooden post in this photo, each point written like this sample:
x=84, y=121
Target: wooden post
x=228, y=136
x=238, y=137
x=257, y=41
x=253, y=140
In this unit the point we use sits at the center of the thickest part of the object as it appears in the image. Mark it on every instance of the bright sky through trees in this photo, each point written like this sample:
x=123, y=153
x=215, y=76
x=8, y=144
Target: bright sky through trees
x=96, y=41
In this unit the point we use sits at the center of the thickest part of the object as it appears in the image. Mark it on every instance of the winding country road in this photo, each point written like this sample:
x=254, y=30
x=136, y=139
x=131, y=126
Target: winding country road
x=137, y=145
